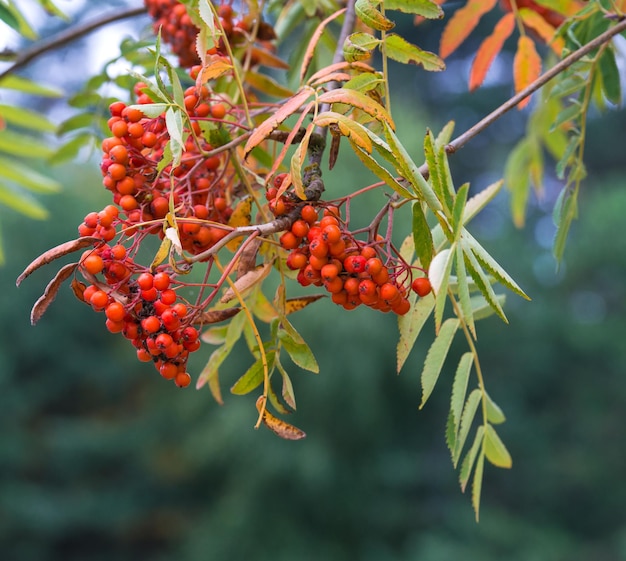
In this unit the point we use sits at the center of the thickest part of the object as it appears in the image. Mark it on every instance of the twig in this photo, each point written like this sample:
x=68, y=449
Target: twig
x=462, y=139
x=67, y=36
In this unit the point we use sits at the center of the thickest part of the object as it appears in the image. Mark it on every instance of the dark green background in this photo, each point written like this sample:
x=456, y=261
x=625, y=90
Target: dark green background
x=100, y=459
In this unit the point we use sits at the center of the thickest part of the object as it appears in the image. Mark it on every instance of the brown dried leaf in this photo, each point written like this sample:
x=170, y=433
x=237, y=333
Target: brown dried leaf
x=296, y=304
x=278, y=426
x=247, y=259
x=55, y=253
x=266, y=58
x=50, y=293
x=215, y=316
x=78, y=288
x=246, y=282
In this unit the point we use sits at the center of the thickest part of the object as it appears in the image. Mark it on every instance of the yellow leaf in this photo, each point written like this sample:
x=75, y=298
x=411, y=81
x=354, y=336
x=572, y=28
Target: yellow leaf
x=246, y=282
x=278, y=426
x=526, y=66
x=542, y=28
x=216, y=66
x=240, y=217
x=295, y=304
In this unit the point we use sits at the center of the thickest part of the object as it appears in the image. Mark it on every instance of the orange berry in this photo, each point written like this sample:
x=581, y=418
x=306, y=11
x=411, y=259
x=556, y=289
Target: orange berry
x=182, y=379
x=218, y=110
x=309, y=214
x=421, y=286
x=115, y=311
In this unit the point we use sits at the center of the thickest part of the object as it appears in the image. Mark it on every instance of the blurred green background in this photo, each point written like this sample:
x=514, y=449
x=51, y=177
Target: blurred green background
x=100, y=459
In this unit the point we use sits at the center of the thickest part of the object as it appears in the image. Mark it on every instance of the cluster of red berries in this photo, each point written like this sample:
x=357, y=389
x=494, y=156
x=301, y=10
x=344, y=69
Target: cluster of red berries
x=129, y=169
x=142, y=305
x=325, y=254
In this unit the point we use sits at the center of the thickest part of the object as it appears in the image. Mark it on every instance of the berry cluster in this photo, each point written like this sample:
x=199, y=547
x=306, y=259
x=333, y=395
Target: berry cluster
x=142, y=305
x=325, y=254
x=199, y=184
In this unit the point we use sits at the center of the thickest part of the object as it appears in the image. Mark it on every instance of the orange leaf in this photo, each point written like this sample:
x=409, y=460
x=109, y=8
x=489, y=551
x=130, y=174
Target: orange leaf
x=339, y=66
x=489, y=49
x=266, y=58
x=542, y=28
x=278, y=426
x=215, y=67
x=359, y=100
x=462, y=23
x=526, y=66
x=310, y=50
x=291, y=106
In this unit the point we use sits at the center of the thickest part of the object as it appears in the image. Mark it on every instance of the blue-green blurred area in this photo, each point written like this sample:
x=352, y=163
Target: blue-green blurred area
x=103, y=460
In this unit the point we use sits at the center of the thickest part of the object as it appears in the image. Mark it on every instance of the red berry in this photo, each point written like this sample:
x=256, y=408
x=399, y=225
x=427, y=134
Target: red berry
x=145, y=281
x=355, y=264
x=151, y=324
x=161, y=281
x=115, y=311
x=421, y=286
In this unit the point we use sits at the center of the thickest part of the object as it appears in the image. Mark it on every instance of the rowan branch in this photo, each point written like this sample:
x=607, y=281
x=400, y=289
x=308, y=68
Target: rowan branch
x=67, y=36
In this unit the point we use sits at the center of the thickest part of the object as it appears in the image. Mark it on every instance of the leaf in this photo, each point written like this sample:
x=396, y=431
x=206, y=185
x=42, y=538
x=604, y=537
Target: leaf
x=481, y=309
x=400, y=50
x=70, y=149
x=458, y=209
x=541, y=27
x=410, y=326
x=26, y=118
x=565, y=211
x=422, y=237
x=495, y=450
x=254, y=376
x=436, y=357
x=24, y=85
x=245, y=283
x=349, y=128
x=470, y=458
x=467, y=418
x=297, y=161
x=291, y=106
x=8, y=17
x=489, y=49
x=359, y=46
x=51, y=291
x=462, y=23
x=162, y=253
x=56, y=252
x=526, y=66
x=267, y=58
x=359, y=100
x=278, y=426
x=174, y=124
x=439, y=276
x=28, y=177
x=609, y=73
x=296, y=304
x=367, y=11
x=241, y=216
x=216, y=316
x=210, y=372
x=479, y=201
x=266, y=84
x=495, y=415
x=424, y=8
x=298, y=350
x=23, y=145
x=517, y=180
x=310, y=50
x=365, y=82
x=478, y=482
x=463, y=291
x=459, y=390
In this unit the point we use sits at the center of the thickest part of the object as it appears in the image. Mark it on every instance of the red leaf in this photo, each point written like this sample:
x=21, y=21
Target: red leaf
x=526, y=66
x=489, y=49
x=462, y=23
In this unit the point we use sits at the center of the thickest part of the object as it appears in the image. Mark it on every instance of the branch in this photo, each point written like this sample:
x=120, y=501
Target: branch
x=67, y=36
x=461, y=140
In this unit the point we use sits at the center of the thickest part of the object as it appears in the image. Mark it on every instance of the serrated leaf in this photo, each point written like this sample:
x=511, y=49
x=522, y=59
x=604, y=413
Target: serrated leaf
x=360, y=101
x=541, y=27
x=467, y=418
x=489, y=263
x=436, y=357
x=495, y=450
x=481, y=308
x=458, y=208
x=365, y=82
x=174, y=124
x=489, y=49
x=368, y=12
x=400, y=50
x=349, y=128
x=459, y=390
x=439, y=276
x=568, y=155
x=462, y=23
x=210, y=372
x=51, y=291
x=478, y=482
x=422, y=237
x=463, y=291
x=254, y=376
x=526, y=66
x=571, y=112
x=410, y=326
x=424, y=8
x=483, y=283
x=317, y=34
x=28, y=177
x=495, y=415
x=470, y=458
x=287, y=389
x=431, y=156
x=246, y=282
x=568, y=84
x=479, y=201
x=26, y=118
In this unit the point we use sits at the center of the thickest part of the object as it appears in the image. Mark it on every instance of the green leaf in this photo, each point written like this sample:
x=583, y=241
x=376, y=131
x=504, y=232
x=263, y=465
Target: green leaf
x=367, y=11
x=467, y=418
x=22, y=203
x=398, y=49
x=489, y=263
x=18, y=144
x=495, y=450
x=296, y=348
x=266, y=84
x=422, y=236
x=459, y=208
x=24, y=85
x=424, y=8
x=26, y=118
x=410, y=326
x=481, y=308
x=51, y=8
x=407, y=168
x=568, y=84
x=431, y=155
x=79, y=121
x=28, y=177
x=565, y=211
x=573, y=110
x=254, y=376
x=478, y=482
x=70, y=149
x=459, y=391
x=610, y=76
x=479, y=201
x=23, y=27
x=517, y=179
x=436, y=357
x=470, y=458
x=567, y=156
x=495, y=415
x=359, y=46
x=365, y=82
x=8, y=17
x=463, y=290
x=287, y=391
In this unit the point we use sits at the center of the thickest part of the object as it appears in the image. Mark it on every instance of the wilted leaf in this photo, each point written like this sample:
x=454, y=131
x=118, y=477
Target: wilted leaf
x=246, y=282
x=296, y=304
x=526, y=66
x=216, y=66
x=359, y=100
x=278, y=426
x=397, y=48
x=51, y=291
x=489, y=49
x=241, y=216
x=55, y=253
x=359, y=46
x=370, y=15
x=215, y=316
